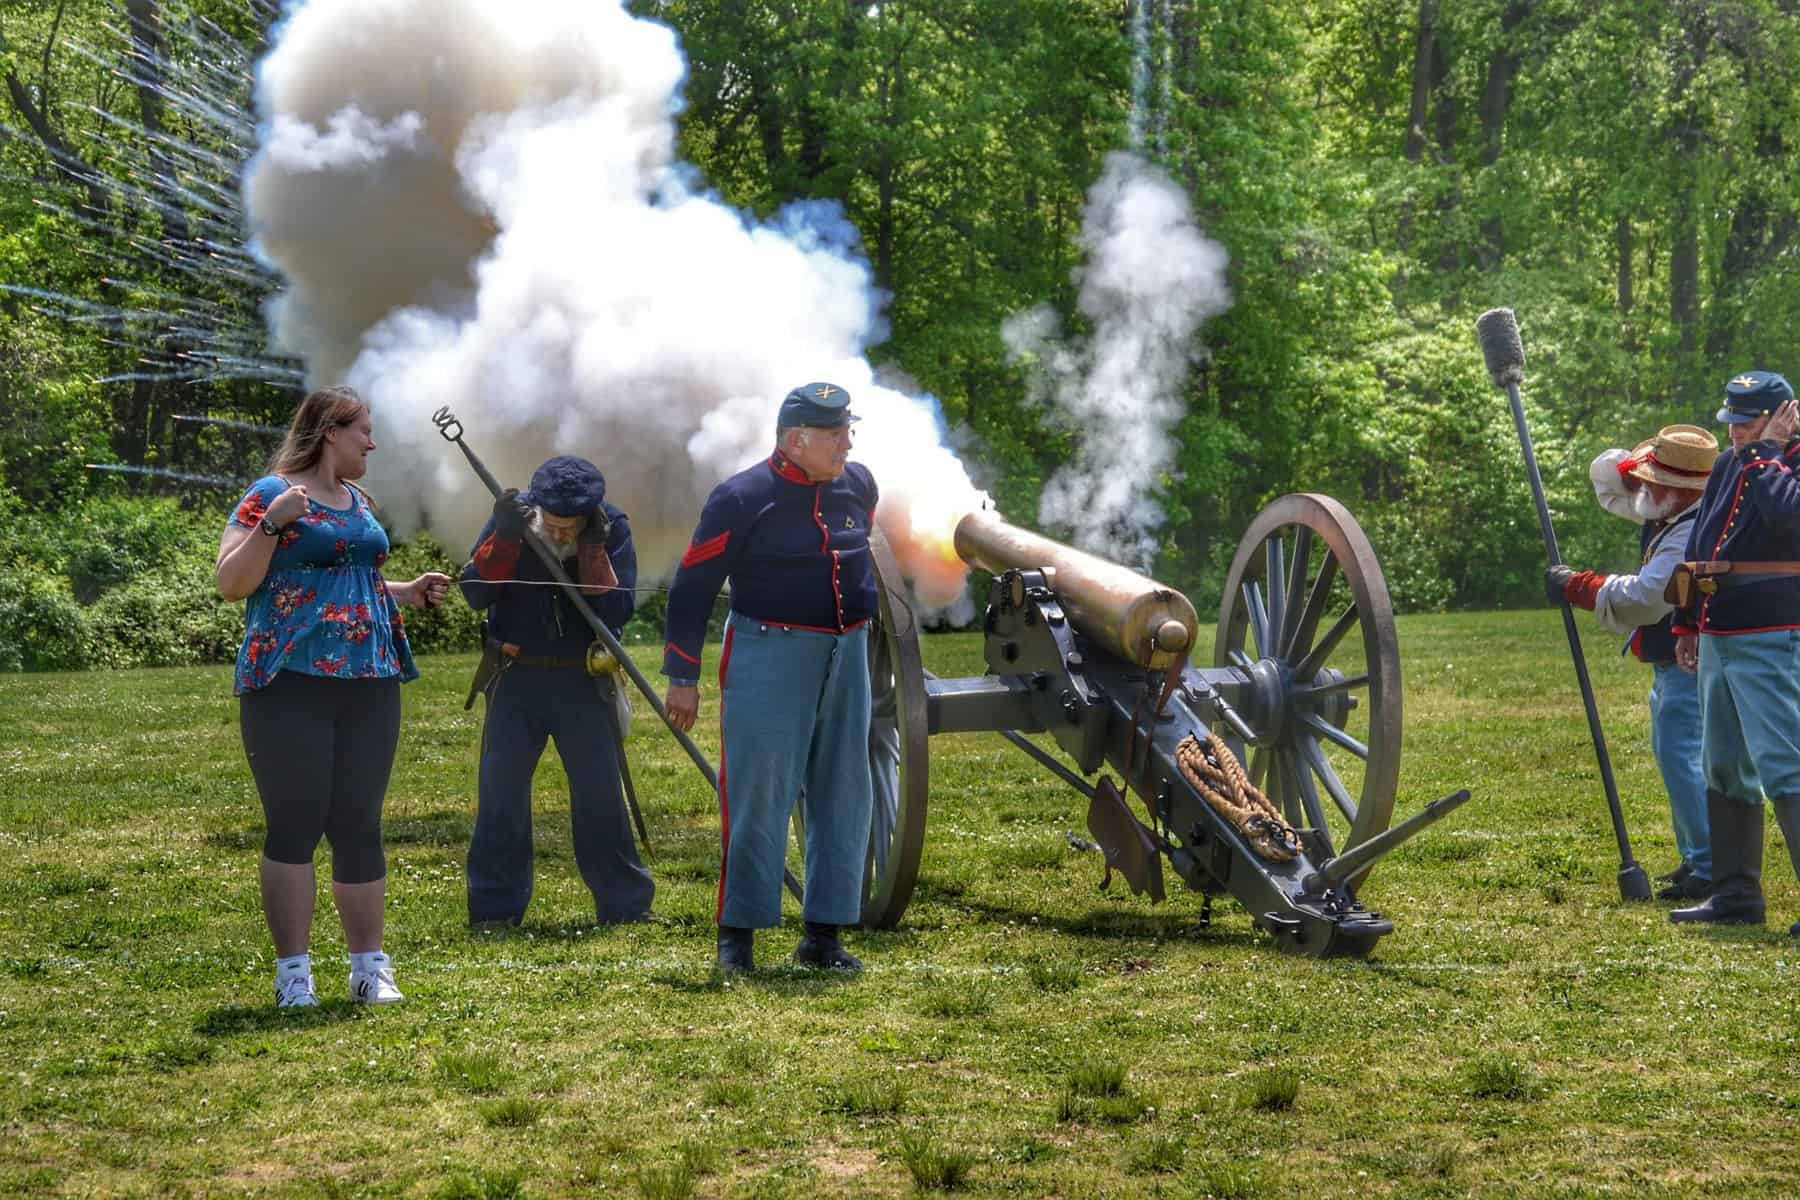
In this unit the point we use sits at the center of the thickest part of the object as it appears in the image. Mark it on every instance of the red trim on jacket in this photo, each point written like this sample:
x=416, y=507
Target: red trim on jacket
x=1759, y=629
x=778, y=462
x=850, y=628
x=497, y=558
x=1725, y=532
x=700, y=552
x=837, y=588
x=684, y=654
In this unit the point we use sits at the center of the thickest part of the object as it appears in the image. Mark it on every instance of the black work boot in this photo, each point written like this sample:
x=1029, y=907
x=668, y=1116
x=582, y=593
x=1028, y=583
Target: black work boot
x=1787, y=814
x=737, y=947
x=1737, y=842
x=1683, y=884
x=819, y=947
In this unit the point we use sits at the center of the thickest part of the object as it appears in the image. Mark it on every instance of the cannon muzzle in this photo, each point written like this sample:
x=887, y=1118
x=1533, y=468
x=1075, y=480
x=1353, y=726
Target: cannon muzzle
x=1137, y=618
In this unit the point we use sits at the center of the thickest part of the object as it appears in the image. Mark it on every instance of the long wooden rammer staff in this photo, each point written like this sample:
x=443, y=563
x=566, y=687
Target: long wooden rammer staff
x=1498, y=332
x=452, y=431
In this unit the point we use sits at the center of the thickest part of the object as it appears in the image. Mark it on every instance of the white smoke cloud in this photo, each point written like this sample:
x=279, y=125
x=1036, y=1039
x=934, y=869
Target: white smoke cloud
x=1150, y=279
x=478, y=205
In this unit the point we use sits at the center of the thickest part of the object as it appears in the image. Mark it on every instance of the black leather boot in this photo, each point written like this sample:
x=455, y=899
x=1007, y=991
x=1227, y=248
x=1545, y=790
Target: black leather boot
x=1787, y=814
x=819, y=947
x=1737, y=842
x=737, y=948
x=1683, y=884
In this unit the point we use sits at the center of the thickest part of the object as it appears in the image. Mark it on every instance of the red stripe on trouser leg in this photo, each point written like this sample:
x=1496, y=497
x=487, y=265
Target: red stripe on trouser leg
x=724, y=807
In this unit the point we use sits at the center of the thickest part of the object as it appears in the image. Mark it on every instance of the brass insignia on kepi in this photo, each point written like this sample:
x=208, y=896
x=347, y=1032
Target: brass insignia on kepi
x=1742, y=381
x=826, y=391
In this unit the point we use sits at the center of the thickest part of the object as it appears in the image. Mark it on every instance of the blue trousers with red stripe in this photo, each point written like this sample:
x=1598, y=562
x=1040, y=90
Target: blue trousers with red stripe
x=795, y=719
x=1750, y=710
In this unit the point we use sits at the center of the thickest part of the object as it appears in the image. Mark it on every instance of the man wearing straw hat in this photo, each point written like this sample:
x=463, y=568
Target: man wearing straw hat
x=1657, y=485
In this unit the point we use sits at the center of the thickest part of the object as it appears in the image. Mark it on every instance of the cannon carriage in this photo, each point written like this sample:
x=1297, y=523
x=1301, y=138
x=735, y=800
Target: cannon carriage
x=1301, y=701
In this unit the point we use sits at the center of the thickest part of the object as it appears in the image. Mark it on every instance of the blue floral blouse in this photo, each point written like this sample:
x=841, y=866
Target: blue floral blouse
x=323, y=608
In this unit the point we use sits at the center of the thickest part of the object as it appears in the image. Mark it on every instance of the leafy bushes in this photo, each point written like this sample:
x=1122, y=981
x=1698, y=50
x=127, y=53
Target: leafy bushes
x=450, y=626
x=41, y=626
x=128, y=582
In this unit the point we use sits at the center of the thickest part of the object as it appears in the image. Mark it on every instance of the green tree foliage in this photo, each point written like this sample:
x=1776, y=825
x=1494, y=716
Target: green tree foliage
x=1623, y=174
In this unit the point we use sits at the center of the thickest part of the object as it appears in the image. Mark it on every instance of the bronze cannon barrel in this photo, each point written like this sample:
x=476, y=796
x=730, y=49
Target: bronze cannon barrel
x=1137, y=618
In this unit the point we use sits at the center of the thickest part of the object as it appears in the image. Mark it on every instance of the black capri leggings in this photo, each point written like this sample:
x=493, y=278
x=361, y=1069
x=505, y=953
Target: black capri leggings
x=321, y=750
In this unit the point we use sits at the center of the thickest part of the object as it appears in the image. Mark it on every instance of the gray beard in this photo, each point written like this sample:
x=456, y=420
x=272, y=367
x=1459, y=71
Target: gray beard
x=562, y=550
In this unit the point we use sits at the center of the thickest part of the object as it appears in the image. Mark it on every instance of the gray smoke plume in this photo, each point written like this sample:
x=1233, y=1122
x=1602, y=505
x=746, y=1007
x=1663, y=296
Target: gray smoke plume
x=478, y=205
x=1150, y=279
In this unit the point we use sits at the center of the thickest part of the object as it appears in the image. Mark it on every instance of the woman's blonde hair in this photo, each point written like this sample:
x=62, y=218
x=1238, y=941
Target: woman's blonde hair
x=326, y=408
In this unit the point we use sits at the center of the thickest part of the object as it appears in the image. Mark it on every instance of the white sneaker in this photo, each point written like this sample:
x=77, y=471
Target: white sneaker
x=295, y=991
x=375, y=985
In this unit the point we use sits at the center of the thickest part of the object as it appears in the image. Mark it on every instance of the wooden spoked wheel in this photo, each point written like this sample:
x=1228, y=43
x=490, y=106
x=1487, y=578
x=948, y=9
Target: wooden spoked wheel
x=1306, y=614
x=898, y=736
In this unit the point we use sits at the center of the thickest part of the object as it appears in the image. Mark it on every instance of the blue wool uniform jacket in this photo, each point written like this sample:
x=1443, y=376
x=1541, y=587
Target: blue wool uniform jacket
x=796, y=552
x=1750, y=512
x=540, y=620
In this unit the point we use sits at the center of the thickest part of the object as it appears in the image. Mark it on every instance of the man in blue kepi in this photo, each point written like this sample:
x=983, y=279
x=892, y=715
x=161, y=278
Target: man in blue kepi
x=792, y=535
x=535, y=674
x=1738, y=629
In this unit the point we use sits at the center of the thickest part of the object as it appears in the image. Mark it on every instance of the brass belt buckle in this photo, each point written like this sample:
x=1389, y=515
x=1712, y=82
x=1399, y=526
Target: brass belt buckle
x=1707, y=585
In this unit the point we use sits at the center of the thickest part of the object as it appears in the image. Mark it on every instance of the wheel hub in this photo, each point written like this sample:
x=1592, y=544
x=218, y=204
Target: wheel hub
x=1267, y=695
x=1333, y=706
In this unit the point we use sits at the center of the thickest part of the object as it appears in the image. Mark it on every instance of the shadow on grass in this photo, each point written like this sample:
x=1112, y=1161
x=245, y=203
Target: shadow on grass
x=578, y=929
x=446, y=827
x=234, y=839
x=782, y=979
x=230, y=1019
x=1110, y=924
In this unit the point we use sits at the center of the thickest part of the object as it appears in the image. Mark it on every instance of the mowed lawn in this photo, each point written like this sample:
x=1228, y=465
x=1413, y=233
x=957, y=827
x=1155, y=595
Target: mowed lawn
x=1522, y=1032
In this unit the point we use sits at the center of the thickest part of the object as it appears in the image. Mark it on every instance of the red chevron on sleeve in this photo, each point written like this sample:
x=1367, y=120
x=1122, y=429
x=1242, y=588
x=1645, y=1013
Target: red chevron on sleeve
x=700, y=552
x=683, y=653
x=496, y=558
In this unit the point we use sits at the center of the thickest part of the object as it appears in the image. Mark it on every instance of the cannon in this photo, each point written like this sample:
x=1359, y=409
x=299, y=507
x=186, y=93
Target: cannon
x=1268, y=775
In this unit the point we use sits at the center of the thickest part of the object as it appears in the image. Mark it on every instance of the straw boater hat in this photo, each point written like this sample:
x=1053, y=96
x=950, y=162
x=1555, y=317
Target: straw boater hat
x=1679, y=456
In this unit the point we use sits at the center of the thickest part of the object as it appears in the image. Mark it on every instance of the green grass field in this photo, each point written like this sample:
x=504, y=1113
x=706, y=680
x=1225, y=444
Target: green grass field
x=1521, y=1032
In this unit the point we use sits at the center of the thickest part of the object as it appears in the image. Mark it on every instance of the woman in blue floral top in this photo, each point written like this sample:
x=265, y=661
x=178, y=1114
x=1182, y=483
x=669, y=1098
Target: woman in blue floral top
x=318, y=683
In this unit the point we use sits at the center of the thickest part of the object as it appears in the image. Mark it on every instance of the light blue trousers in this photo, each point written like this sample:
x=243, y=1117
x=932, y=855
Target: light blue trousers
x=1750, y=709
x=795, y=718
x=1675, y=741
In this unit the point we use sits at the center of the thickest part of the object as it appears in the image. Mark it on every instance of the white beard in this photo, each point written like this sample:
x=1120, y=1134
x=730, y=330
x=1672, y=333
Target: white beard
x=563, y=549
x=1646, y=507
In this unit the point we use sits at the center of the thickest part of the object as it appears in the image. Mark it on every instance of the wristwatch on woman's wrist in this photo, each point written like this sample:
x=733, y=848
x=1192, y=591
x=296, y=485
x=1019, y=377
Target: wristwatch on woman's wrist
x=269, y=527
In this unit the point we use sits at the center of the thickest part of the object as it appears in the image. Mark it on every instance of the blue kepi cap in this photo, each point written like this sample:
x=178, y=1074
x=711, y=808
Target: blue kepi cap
x=566, y=486
x=1753, y=396
x=817, y=406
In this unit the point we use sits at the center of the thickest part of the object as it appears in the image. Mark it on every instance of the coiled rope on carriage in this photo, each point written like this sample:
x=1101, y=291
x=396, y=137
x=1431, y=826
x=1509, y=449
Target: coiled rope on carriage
x=1214, y=772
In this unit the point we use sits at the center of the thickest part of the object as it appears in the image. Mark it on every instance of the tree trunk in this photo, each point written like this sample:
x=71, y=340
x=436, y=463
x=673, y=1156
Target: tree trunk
x=146, y=39
x=1684, y=272
x=1622, y=239
x=1496, y=96
x=41, y=124
x=1424, y=48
